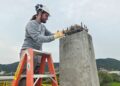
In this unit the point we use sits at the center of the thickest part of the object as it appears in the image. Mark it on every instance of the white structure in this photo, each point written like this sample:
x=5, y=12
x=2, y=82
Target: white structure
x=114, y=72
x=2, y=72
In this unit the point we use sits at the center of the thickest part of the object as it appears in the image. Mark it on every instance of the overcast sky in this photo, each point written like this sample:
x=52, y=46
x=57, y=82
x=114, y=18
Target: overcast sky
x=101, y=16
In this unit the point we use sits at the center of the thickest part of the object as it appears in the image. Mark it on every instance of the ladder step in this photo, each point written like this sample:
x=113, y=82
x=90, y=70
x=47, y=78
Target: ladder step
x=38, y=52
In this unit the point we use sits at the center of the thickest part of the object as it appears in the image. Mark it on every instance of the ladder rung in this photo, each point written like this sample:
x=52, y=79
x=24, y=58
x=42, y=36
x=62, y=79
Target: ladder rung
x=37, y=52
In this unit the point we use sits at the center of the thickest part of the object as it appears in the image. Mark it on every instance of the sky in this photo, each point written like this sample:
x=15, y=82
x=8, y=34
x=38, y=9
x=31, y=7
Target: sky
x=102, y=18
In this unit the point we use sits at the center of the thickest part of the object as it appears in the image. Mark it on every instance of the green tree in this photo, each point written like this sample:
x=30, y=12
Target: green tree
x=104, y=78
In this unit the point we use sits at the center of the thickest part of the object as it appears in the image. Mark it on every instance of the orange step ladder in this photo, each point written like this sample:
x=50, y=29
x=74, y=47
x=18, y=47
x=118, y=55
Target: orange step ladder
x=27, y=57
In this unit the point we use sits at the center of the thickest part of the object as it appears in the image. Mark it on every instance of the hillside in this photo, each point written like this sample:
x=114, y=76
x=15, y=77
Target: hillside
x=8, y=68
x=109, y=64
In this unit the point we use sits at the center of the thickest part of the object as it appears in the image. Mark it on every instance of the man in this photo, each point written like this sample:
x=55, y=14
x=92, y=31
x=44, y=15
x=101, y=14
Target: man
x=36, y=34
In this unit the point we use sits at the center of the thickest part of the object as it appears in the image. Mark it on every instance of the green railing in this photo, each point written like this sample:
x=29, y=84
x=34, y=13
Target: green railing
x=9, y=83
x=5, y=83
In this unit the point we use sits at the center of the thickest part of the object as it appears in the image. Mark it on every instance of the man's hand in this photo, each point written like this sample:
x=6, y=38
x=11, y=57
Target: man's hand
x=58, y=34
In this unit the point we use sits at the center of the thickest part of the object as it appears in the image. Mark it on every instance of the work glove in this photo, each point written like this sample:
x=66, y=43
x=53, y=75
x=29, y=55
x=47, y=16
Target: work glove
x=58, y=34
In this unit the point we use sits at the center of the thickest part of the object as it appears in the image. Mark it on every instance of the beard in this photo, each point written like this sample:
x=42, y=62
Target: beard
x=43, y=20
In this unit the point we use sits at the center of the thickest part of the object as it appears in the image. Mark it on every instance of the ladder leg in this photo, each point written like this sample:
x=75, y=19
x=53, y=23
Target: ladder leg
x=52, y=70
x=41, y=70
x=19, y=71
x=30, y=68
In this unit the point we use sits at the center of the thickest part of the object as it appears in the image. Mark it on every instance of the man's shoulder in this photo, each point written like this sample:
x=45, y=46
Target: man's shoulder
x=31, y=22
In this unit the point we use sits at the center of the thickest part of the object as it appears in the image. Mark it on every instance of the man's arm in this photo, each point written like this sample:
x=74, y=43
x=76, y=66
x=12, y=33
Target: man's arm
x=36, y=36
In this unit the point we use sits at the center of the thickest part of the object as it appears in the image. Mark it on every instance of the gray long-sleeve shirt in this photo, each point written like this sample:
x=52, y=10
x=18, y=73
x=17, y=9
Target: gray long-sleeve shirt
x=36, y=34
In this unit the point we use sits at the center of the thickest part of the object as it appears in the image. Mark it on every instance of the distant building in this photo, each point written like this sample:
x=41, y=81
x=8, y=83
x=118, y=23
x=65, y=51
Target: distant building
x=103, y=70
x=114, y=72
x=2, y=72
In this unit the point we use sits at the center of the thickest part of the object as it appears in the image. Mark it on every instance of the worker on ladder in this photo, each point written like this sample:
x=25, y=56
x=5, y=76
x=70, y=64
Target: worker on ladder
x=36, y=34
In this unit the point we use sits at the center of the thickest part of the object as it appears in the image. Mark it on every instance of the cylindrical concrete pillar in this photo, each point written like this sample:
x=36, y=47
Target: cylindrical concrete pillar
x=77, y=61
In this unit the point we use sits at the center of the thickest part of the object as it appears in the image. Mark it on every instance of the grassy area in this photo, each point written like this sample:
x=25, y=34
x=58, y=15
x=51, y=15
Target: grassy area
x=9, y=84
x=115, y=84
x=46, y=85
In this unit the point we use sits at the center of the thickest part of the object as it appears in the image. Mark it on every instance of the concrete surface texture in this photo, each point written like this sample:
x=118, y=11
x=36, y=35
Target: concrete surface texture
x=77, y=61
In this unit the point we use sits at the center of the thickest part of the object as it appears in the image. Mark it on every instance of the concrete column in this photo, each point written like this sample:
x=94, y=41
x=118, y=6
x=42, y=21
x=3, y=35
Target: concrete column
x=77, y=61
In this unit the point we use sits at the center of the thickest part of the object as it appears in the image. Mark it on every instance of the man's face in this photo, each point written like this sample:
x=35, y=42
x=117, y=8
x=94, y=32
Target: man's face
x=44, y=17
